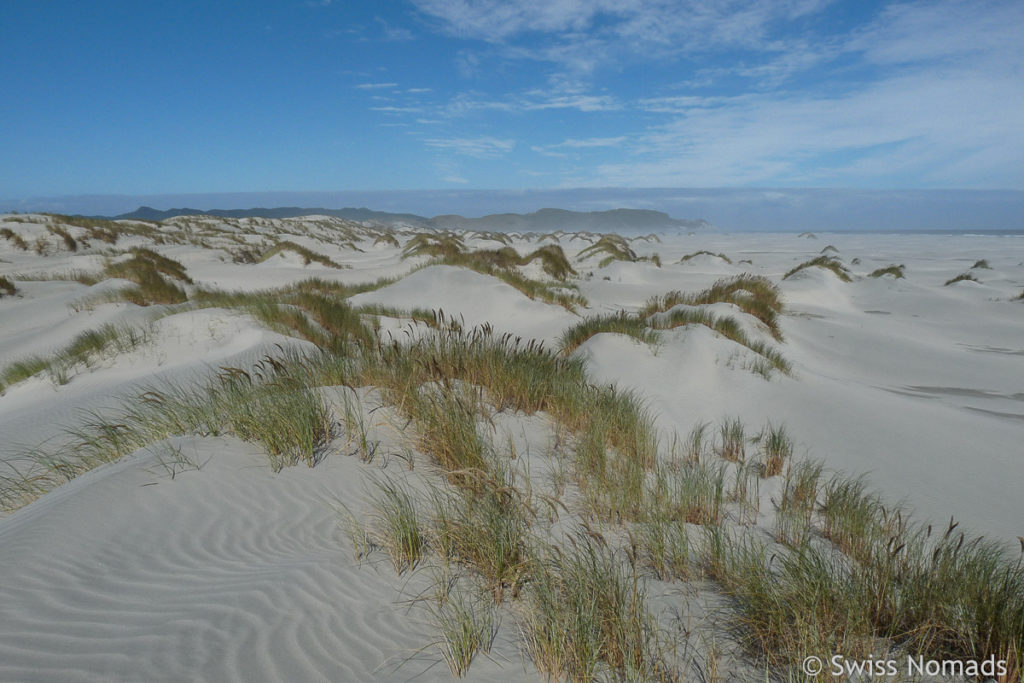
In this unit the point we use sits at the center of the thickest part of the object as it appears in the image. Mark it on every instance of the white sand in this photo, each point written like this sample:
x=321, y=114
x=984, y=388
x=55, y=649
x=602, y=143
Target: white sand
x=231, y=572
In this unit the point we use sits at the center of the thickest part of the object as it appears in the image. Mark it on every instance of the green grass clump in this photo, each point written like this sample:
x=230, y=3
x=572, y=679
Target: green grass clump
x=434, y=244
x=883, y=585
x=388, y=239
x=15, y=238
x=308, y=255
x=7, y=287
x=618, y=323
x=776, y=449
x=275, y=405
x=84, y=349
x=446, y=423
x=752, y=294
x=586, y=617
x=895, y=271
x=400, y=532
x=961, y=278
x=614, y=246
x=705, y=252
x=466, y=627
x=153, y=275
x=69, y=241
x=484, y=525
x=732, y=440
x=755, y=295
x=826, y=262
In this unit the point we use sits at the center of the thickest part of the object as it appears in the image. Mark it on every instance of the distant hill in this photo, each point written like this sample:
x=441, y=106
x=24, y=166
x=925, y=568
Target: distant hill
x=544, y=220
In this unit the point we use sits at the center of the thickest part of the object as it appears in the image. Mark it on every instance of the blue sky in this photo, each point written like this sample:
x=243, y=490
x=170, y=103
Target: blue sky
x=167, y=98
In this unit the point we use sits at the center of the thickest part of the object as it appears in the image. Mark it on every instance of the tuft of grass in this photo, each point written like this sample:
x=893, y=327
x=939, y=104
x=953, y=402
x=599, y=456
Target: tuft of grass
x=697, y=442
x=693, y=493
x=16, y=239
x=732, y=440
x=705, y=252
x=615, y=248
x=153, y=275
x=388, y=239
x=617, y=323
x=7, y=287
x=826, y=262
x=961, y=278
x=895, y=271
x=274, y=405
x=399, y=530
x=776, y=449
x=485, y=527
x=981, y=264
x=466, y=626
x=586, y=617
x=84, y=349
x=69, y=242
x=446, y=424
x=753, y=294
x=308, y=255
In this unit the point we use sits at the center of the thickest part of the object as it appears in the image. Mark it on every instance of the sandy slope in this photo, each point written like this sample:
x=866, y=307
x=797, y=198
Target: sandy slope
x=231, y=572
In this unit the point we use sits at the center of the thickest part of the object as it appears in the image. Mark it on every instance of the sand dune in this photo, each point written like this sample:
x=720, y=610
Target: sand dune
x=190, y=559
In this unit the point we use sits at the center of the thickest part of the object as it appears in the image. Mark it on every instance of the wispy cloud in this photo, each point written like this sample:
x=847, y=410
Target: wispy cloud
x=375, y=86
x=563, y=149
x=479, y=147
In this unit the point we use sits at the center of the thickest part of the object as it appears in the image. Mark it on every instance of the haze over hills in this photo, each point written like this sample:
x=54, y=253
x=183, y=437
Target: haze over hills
x=544, y=220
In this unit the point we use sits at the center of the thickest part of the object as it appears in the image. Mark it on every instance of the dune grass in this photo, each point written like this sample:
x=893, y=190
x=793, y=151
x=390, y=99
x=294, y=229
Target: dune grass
x=614, y=247
x=962, y=277
x=466, y=625
x=586, y=616
x=618, y=323
x=154, y=276
x=16, y=239
x=894, y=270
x=7, y=287
x=399, y=529
x=308, y=255
x=754, y=295
x=882, y=584
x=705, y=252
x=387, y=239
x=560, y=293
x=273, y=405
x=83, y=350
x=69, y=242
x=982, y=263
x=827, y=262
x=502, y=263
x=776, y=448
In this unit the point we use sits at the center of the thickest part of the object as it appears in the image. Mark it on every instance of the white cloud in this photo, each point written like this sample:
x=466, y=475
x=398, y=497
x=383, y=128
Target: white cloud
x=483, y=147
x=375, y=86
x=580, y=34
x=578, y=144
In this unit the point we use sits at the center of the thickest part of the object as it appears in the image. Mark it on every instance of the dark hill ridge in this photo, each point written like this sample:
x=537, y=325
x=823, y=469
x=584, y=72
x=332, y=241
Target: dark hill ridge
x=544, y=220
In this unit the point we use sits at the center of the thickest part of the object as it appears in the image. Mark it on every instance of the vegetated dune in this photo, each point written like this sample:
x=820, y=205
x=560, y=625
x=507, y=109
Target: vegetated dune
x=458, y=414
